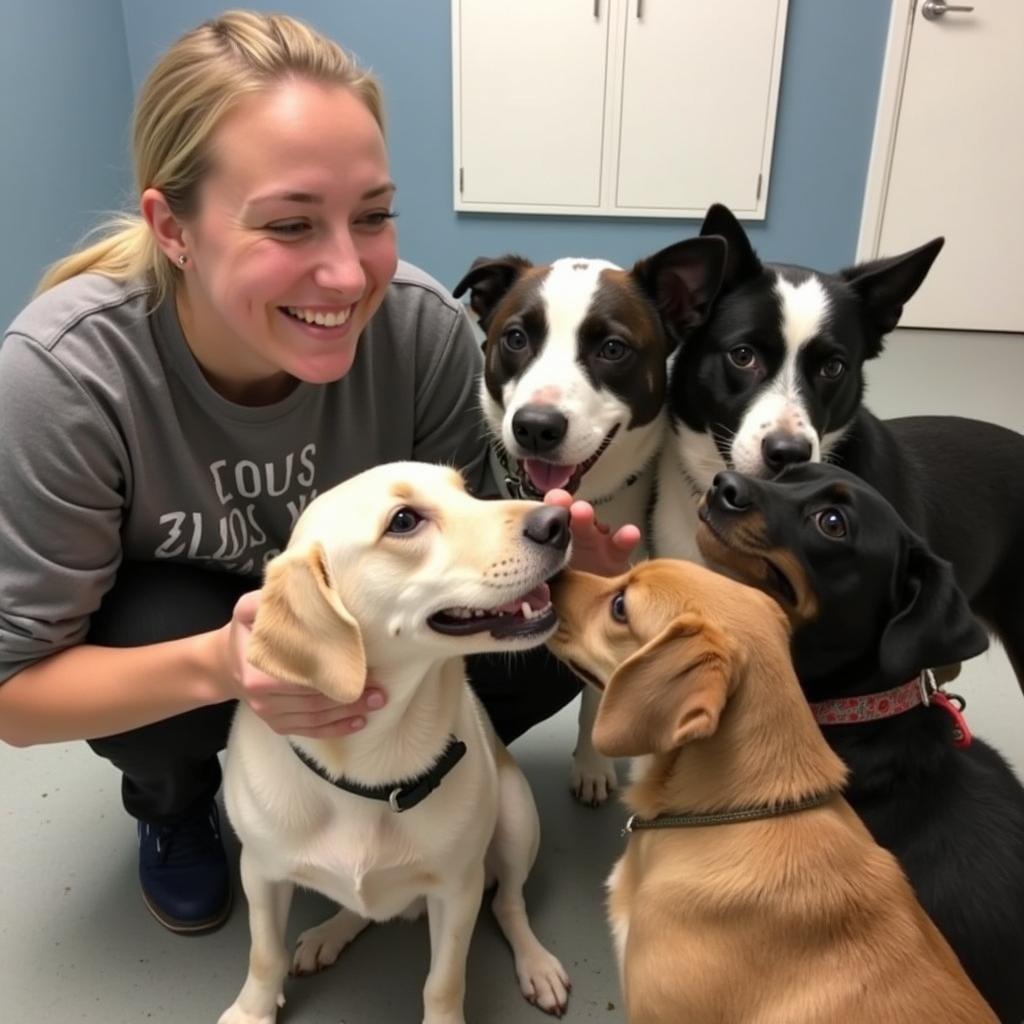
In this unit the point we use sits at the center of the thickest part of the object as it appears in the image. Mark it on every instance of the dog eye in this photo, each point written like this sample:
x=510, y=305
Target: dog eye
x=619, y=607
x=832, y=523
x=613, y=350
x=514, y=339
x=405, y=520
x=743, y=357
x=832, y=369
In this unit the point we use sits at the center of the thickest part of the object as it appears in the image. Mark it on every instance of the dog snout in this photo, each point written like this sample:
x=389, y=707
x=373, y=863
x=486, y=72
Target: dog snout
x=548, y=526
x=781, y=449
x=539, y=428
x=730, y=492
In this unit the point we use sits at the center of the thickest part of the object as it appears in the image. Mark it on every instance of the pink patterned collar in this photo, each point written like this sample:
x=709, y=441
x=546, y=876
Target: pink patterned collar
x=870, y=707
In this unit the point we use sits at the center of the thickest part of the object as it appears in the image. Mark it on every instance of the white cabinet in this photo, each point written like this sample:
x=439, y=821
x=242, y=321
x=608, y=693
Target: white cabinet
x=615, y=107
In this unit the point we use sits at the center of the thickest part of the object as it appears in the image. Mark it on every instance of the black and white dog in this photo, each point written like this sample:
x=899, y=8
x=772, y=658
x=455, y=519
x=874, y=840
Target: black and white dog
x=773, y=376
x=573, y=390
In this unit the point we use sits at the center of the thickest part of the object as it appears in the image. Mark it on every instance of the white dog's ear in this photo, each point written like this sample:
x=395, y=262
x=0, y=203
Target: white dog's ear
x=303, y=633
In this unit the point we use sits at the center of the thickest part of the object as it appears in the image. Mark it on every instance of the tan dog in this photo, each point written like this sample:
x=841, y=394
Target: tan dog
x=401, y=572
x=792, y=918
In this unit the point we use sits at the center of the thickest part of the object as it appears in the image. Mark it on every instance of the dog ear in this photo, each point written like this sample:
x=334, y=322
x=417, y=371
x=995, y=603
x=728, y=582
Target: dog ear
x=668, y=693
x=303, y=633
x=488, y=280
x=683, y=281
x=933, y=625
x=885, y=286
x=741, y=262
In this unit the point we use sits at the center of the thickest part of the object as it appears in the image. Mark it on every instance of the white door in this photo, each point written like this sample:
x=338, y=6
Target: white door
x=956, y=164
x=532, y=123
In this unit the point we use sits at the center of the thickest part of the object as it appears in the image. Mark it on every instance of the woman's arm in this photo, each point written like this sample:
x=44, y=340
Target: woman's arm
x=88, y=691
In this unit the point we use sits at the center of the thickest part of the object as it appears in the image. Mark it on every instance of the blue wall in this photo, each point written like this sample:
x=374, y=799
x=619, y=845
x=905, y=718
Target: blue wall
x=70, y=129
x=65, y=107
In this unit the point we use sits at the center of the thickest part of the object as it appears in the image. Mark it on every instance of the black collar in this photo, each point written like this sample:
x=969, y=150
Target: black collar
x=400, y=795
x=727, y=817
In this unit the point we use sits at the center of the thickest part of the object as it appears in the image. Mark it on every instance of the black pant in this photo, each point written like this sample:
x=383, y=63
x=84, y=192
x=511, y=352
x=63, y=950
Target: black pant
x=170, y=768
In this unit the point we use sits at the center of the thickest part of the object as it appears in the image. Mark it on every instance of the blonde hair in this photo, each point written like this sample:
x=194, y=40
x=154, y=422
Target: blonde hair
x=183, y=100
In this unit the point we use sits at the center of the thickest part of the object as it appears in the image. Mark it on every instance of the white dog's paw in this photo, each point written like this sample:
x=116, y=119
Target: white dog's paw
x=593, y=778
x=544, y=981
x=234, y=1014
x=319, y=947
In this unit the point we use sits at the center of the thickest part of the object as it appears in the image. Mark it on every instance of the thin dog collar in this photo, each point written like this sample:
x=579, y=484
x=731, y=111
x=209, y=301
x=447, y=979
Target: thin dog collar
x=400, y=795
x=727, y=817
x=872, y=707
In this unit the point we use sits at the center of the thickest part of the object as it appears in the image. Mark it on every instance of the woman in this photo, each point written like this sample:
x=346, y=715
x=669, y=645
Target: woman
x=177, y=393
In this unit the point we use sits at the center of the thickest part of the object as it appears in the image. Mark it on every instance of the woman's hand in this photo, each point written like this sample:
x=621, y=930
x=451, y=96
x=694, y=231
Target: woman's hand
x=594, y=547
x=287, y=708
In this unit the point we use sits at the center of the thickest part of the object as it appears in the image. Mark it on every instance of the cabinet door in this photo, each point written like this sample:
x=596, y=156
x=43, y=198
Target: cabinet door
x=529, y=102
x=699, y=89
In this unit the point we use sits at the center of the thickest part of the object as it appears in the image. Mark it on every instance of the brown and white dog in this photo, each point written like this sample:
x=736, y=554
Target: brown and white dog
x=573, y=390
x=749, y=890
x=400, y=571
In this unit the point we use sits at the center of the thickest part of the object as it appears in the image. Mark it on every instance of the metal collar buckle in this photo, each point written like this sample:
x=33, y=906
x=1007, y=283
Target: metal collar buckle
x=926, y=680
x=393, y=800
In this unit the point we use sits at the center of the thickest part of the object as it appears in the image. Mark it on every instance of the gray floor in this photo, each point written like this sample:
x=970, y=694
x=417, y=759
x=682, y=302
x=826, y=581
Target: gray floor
x=76, y=943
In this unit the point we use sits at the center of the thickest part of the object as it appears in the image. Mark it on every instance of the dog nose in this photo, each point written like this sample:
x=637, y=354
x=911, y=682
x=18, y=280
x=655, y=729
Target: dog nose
x=730, y=492
x=780, y=450
x=548, y=525
x=539, y=428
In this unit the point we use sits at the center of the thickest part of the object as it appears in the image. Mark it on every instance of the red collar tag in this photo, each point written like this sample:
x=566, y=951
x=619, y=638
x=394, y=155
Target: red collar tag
x=948, y=702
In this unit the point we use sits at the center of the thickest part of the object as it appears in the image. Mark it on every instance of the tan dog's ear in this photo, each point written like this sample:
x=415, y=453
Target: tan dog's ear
x=303, y=633
x=669, y=692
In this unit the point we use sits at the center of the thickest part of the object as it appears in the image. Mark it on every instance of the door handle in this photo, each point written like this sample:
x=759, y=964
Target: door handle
x=932, y=9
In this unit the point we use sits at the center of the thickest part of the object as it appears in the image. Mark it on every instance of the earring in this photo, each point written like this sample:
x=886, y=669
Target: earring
x=182, y=260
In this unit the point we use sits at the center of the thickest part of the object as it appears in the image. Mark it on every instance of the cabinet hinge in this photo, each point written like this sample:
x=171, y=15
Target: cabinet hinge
x=462, y=180
x=759, y=180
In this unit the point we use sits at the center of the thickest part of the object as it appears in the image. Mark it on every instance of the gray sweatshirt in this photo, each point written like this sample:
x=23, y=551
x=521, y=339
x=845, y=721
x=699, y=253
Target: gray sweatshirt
x=113, y=446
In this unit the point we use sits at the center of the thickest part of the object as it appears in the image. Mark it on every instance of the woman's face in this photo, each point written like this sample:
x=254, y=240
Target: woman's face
x=293, y=246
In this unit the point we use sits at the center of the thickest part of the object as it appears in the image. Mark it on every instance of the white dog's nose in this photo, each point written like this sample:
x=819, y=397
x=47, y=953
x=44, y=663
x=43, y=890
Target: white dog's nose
x=548, y=525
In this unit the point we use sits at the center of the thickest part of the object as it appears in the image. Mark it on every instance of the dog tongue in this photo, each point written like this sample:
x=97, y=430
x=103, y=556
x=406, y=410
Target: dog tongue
x=546, y=476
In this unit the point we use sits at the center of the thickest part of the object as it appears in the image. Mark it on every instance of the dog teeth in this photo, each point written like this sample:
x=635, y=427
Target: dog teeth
x=532, y=613
x=524, y=610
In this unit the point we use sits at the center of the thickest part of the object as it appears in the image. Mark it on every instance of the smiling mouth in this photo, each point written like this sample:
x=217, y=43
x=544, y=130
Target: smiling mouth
x=540, y=476
x=525, y=616
x=318, y=317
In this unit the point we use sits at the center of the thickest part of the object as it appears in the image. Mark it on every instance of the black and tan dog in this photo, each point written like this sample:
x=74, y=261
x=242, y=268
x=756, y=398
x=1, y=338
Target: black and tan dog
x=871, y=607
x=748, y=891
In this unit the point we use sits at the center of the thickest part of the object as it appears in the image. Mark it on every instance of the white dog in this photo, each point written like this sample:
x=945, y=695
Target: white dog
x=399, y=570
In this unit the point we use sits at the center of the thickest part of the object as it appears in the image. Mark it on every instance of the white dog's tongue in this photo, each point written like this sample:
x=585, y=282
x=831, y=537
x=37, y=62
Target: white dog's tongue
x=546, y=476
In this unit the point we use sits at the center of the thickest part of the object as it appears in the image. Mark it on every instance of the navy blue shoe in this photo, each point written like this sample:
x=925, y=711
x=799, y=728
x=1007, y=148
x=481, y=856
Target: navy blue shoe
x=184, y=873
